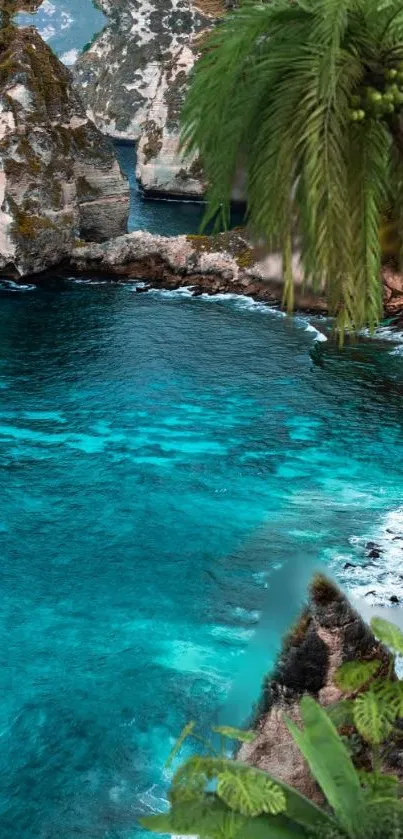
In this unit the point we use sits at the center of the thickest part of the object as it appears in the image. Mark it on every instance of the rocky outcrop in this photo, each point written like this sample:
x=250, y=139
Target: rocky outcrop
x=218, y=264
x=328, y=633
x=59, y=179
x=133, y=79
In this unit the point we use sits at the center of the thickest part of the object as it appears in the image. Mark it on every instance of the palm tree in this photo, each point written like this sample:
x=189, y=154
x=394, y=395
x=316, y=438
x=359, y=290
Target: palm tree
x=306, y=96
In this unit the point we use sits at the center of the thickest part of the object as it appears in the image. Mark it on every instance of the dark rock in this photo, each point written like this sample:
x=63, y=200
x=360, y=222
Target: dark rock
x=349, y=565
x=394, y=599
x=375, y=553
x=368, y=593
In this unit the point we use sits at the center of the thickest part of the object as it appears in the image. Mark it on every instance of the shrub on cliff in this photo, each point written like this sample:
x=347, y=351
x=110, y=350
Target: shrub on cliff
x=307, y=97
x=214, y=797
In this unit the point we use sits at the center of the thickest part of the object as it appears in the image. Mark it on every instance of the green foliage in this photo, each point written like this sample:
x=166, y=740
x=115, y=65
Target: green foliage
x=353, y=675
x=306, y=96
x=186, y=731
x=373, y=718
x=235, y=733
x=250, y=794
x=389, y=634
x=213, y=797
x=330, y=764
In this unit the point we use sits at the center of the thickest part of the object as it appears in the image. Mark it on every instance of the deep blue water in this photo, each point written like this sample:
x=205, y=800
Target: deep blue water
x=172, y=472
x=172, y=218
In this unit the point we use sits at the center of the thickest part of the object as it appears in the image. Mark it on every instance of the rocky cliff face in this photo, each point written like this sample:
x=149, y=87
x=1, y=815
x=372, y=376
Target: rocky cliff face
x=329, y=633
x=58, y=175
x=133, y=81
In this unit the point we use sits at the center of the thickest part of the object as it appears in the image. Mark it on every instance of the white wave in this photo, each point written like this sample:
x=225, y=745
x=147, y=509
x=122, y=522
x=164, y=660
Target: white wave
x=319, y=336
x=135, y=285
x=375, y=579
x=87, y=281
x=184, y=291
x=10, y=285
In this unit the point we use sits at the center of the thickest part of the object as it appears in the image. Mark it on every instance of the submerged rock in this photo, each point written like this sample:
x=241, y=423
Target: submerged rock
x=59, y=178
x=133, y=79
x=329, y=633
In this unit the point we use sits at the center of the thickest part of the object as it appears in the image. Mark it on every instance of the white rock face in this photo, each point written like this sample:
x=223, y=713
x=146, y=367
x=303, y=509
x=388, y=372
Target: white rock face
x=133, y=81
x=59, y=178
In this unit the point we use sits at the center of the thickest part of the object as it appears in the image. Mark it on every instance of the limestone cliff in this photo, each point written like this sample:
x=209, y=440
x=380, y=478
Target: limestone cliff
x=59, y=178
x=329, y=633
x=133, y=80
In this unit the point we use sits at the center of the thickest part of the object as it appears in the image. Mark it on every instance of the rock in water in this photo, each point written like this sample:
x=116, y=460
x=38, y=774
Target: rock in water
x=329, y=633
x=134, y=77
x=59, y=179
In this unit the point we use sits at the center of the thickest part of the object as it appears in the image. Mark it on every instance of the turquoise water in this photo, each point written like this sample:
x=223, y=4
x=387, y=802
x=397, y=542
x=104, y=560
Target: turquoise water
x=172, y=472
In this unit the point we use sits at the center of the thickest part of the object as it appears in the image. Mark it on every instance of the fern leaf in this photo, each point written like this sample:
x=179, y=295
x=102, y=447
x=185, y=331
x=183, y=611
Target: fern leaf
x=330, y=764
x=186, y=731
x=388, y=633
x=353, y=675
x=373, y=718
x=250, y=794
x=235, y=733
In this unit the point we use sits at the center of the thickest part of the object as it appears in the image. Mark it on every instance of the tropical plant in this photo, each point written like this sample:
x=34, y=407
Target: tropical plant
x=214, y=797
x=306, y=97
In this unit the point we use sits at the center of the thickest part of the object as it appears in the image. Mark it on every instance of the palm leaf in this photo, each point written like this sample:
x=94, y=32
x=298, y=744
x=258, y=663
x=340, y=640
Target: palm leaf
x=330, y=764
x=186, y=731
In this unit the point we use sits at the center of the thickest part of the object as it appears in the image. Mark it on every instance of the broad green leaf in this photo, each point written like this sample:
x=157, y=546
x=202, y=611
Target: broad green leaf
x=330, y=764
x=373, y=717
x=391, y=694
x=211, y=819
x=250, y=793
x=341, y=713
x=186, y=731
x=353, y=675
x=235, y=733
x=388, y=633
x=190, y=781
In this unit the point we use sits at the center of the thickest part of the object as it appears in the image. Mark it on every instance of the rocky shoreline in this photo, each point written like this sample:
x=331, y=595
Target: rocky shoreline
x=221, y=264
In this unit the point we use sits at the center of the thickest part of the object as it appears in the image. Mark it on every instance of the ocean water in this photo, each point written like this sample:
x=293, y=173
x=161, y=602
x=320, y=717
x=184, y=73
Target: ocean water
x=172, y=471
x=172, y=218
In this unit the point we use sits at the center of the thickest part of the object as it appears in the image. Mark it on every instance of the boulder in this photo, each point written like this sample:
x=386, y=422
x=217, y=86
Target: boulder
x=133, y=80
x=59, y=178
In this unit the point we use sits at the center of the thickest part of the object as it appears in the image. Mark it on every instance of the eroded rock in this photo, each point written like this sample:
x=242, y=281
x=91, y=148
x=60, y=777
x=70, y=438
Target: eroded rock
x=59, y=179
x=133, y=80
x=225, y=263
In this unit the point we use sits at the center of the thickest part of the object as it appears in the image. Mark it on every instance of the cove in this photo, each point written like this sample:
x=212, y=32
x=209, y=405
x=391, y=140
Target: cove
x=173, y=470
